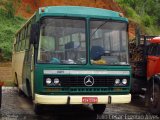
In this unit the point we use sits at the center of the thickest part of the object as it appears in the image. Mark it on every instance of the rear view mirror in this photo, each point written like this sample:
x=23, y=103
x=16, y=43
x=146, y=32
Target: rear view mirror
x=34, y=34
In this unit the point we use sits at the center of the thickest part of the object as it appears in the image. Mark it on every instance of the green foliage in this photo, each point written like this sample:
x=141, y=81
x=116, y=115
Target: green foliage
x=19, y=1
x=143, y=12
x=1, y=2
x=8, y=27
x=146, y=20
x=28, y=8
x=130, y=12
x=10, y=10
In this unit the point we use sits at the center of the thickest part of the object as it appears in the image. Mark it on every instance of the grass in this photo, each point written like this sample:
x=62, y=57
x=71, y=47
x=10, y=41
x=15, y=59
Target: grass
x=8, y=83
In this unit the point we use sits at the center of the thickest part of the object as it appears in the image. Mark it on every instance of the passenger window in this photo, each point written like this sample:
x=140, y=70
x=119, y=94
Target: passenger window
x=16, y=47
x=19, y=46
x=22, y=44
x=29, y=28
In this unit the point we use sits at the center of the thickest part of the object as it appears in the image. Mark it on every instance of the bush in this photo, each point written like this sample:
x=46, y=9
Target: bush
x=8, y=28
x=10, y=10
x=146, y=20
x=19, y=1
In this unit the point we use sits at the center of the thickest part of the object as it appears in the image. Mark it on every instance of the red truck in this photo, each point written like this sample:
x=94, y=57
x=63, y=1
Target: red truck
x=146, y=72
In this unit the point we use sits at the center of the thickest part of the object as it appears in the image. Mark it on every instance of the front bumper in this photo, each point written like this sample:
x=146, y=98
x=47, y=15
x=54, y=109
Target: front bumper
x=77, y=99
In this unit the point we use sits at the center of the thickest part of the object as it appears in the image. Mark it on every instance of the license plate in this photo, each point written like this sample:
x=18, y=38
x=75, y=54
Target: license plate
x=89, y=99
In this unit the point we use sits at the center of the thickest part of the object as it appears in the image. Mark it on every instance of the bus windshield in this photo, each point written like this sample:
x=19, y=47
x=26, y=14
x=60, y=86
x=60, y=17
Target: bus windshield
x=108, y=42
x=62, y=41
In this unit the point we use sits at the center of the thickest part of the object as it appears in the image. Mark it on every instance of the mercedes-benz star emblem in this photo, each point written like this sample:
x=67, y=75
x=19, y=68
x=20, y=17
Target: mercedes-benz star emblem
x=88, y=80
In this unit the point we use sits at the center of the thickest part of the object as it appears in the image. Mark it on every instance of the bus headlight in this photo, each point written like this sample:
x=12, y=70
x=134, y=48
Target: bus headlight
x=48, y=81
x=56, y=81
x=117, y=81
x=124, y=81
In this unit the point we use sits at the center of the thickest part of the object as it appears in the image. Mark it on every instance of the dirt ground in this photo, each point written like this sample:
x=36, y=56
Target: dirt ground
x=6, y=73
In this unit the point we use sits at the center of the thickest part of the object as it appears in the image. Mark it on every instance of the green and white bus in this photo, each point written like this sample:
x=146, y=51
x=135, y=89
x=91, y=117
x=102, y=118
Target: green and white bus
x=73, y=55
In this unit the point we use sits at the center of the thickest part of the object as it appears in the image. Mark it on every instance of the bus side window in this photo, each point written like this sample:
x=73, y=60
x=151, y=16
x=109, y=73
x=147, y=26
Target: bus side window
x=18, y=43
x=29, y=55
x=29, y=29
x=17, y=39
x=19, y=46
x=14, y=49
x=22, y=40
x=27, y=37
x=22, y=44
x=15, y=45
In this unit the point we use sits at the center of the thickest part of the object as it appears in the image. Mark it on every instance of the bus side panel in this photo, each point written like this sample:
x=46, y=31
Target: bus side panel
x=17, y=64
x=28, y=71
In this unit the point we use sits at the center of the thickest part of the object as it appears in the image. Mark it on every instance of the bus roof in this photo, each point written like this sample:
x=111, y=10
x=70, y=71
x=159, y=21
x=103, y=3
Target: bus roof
x=80, y=11
x=155, y=40
x=75, y=11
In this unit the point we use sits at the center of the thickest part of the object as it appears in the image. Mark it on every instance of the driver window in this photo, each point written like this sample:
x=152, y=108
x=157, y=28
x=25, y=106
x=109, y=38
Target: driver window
x=46, y=49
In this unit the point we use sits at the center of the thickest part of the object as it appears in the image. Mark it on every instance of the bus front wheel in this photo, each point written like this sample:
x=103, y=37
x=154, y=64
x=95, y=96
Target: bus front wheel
x=154, y=97
x=99, y=108
x=37, y=108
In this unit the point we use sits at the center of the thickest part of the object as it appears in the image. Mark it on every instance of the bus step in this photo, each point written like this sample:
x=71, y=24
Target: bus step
x=142, y=96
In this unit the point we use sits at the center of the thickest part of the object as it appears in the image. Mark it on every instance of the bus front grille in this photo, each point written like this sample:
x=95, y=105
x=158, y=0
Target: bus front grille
x=78, y=81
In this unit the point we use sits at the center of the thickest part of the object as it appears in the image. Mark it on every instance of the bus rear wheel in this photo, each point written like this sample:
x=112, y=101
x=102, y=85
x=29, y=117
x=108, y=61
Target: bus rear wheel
x=99, y=108
x=154, y=97
x=20, y=92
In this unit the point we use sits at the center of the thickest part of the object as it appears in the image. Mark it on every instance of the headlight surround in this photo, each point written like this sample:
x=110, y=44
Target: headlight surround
x=121, y=82
x=124, y=81
x=48, y=81
x=52, y=82
x=117, y=81
x=56, y=81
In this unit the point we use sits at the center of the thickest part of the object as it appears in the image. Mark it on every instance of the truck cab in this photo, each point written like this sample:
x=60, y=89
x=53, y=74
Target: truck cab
x=153, y=57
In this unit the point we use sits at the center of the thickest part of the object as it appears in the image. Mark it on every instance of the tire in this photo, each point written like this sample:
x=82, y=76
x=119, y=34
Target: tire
x=37, y=108
x=20, y=92
x=99, y=108
x=15, y=80
x=154, y=99
x=28, y=88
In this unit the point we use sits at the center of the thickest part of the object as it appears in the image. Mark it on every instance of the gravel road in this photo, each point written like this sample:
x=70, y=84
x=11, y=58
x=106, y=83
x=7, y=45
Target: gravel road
x=18, y=107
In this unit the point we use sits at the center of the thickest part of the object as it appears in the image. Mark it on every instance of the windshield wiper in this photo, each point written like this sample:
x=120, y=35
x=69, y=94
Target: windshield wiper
x=98, y=28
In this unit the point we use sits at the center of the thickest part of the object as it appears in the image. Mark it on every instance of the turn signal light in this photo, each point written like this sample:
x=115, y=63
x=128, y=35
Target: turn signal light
x=43, y=9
